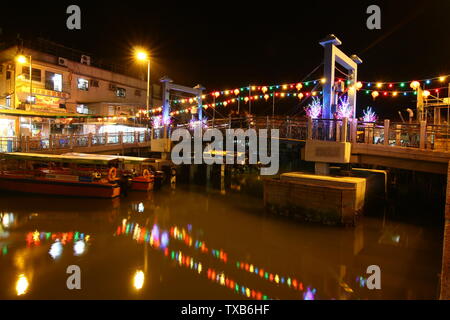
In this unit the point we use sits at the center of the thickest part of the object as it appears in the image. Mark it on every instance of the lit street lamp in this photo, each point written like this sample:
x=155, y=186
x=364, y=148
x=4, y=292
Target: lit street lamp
x=22, y=60
x=143, y=56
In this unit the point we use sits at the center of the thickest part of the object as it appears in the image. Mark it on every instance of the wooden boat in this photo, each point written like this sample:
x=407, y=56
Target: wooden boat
x=140, y=170
x=64, y=175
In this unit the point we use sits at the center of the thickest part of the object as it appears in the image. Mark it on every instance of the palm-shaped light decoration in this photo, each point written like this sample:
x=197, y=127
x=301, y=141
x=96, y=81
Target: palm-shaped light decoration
x=369, y=115
x=344, y=110
x=314, y=109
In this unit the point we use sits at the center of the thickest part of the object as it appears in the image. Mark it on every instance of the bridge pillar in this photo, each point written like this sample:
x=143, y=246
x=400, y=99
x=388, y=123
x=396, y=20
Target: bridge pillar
x=445, y=272
x=387, y=123
x=322, y=168
x=423, y=134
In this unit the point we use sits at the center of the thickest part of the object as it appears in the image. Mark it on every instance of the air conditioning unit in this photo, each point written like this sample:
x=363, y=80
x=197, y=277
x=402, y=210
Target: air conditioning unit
x=62, y=62
x=85, y=60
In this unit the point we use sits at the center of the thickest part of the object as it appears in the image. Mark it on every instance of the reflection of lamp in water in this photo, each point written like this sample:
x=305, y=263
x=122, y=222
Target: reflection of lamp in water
x=56, y=250
x=138, y=280
x=21, y=284
x=79, y=247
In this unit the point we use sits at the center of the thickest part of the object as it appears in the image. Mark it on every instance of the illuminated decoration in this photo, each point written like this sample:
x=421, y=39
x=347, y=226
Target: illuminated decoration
x=379, y=85
x=22, y=285
x=300, y=95
x=138, y=280
x=35, y=238
x=375, y=94
x=157, y=122
x=426, y=93
x=369, y=115
x=263, y=89
x=415, y=85
x=358, y=85
x=197, y=123
x=314, y=110
x=344, y=110
x=309, y=294
x=323, y=81
x=266, y=97
x=442, y=79
x=141, y=207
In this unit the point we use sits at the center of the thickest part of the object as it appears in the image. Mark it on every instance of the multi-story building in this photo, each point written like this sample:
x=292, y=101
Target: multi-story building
x=67, y=93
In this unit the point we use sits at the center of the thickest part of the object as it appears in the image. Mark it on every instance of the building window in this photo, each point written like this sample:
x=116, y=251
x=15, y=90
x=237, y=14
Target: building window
x=8, y=101
x=8, y=75
x=94, y=83
x=137, y=93
x=81, y=108
x=53, y=81
x=83, y=84
x=121, y=92
x=36, y=73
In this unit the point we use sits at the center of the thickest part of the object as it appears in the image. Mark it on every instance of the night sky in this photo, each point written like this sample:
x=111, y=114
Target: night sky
x=231, y=44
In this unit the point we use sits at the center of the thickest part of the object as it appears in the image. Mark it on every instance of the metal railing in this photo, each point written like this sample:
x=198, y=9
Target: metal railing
x=61, y=142
x=410, y=135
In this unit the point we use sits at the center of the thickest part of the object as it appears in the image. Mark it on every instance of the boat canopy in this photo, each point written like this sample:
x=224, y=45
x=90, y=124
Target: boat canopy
x=66, y=158
x=125, y=159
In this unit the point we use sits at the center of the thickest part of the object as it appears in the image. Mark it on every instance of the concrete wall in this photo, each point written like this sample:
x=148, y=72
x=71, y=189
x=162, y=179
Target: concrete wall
x=311, y=202
x=445, y=273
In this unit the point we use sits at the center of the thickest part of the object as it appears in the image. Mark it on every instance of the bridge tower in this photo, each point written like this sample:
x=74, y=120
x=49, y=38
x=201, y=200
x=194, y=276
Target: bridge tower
x=333, y=55
x=168, y=85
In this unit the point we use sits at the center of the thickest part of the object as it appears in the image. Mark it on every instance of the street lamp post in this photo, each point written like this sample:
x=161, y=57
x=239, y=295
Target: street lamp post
x=143, y=56
x=22, y=60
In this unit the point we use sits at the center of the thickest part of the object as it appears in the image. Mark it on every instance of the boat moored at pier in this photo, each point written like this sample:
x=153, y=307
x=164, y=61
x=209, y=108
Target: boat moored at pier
x=140, y=171
x=64, y=175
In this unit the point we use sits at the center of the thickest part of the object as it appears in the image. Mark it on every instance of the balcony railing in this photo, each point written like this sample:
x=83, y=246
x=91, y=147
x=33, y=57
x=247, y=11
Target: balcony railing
x=64, y=142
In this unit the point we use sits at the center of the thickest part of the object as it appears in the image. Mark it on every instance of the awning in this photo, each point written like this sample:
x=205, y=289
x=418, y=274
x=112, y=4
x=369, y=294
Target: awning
x=18, y=112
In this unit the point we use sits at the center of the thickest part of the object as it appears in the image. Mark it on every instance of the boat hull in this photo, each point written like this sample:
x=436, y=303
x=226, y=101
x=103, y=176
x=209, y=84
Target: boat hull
x=58, y=187
x=142, y=184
